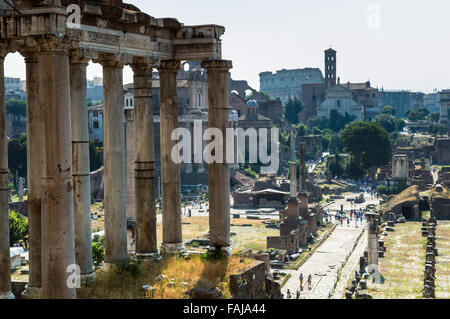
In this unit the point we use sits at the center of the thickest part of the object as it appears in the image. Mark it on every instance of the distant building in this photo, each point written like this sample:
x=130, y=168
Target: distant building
x=12, y=84
x=287, y=84
x=341, y=99
x=252, y=118
x=314, y=95
x=444, y=103
x=402, y=101
x=368, y=97
x=431, y=102
x=95, y=118
x=330, y=68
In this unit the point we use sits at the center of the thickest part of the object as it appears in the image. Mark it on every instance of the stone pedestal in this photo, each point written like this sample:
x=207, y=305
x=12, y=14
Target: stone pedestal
x=58, y=233
x=144, y=156
x=114, y=159
x=81, y=165
x=218, y=173
x=170, y=171
x=372, y=236
x=34, y=161
x=5, y=277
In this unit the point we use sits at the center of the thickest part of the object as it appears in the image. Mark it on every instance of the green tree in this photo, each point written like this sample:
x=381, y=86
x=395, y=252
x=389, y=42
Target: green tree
x=292, y=109
x=18, y=227
x=335, y=165
x=438, y=129
x=95, y=158
x=387, y=121
x=417, y=114
x=354, y=169
x=16, y=107
x=336, y=145
x=367, y=143
x=388, y=109
x=337, y=122
x=435, y=116
x=320, y=122
x=301, y=130
x=17, y=155
x=265, y=94
x=399, y=124
x=317, y=131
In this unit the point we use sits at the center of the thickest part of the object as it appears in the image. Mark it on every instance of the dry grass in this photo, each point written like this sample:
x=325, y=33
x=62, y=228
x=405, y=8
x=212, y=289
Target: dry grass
x=246, y=237
x=410, y=194
x=403, y=265
x=194, y=272
x=443, y=260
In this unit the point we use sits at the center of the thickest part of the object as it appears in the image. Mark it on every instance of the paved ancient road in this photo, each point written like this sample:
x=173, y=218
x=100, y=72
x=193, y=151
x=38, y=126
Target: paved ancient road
x=348, y=272
x=325, y=263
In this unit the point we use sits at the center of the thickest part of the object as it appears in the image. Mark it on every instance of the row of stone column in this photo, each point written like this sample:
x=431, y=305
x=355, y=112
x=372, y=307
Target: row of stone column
x=58, y=157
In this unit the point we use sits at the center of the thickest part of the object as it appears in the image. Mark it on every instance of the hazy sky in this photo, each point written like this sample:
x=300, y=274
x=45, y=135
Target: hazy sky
x=408, y=49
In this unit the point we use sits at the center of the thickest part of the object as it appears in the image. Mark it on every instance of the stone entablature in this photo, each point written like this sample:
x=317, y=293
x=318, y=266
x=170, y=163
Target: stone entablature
x=110, y=28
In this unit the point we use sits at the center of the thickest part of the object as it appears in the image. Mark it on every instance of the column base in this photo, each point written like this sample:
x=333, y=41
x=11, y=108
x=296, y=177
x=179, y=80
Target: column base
x=8, y=295
x=88, y=279
x=148, y=256
x=173, y=249
x=32, y=292
x=106, y=266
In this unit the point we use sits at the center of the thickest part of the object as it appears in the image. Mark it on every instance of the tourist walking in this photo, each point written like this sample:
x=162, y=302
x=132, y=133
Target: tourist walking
x=300, y=278
x=288, y=294
x=309, y=281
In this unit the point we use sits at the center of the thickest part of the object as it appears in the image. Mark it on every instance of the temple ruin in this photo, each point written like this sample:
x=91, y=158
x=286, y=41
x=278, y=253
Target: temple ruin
x=57, y=46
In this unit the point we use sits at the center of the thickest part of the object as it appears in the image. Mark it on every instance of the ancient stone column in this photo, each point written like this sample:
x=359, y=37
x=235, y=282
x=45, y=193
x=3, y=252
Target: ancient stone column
x=5, y=276
x=114, y=159
x=372, y=236
x=58, y=233
x=130, y=137
x=303, y=194
x=144, y=157
x=170, y=171
x=218, y=173
x=81, y=166
x=34, y=162
x=293, y=203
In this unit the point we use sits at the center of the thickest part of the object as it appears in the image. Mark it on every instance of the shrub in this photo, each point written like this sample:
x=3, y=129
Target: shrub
x=251, y=173
x=128, y=267
x=98, y=250
x=18, y=227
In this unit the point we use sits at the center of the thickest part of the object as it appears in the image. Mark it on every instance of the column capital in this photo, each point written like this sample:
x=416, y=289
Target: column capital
x=4, y=45
x=80, y=56
x=29, y=50
x=169, y=66
x=112, y=60
x=52, y=44
x=143, y=65
x=217, y=65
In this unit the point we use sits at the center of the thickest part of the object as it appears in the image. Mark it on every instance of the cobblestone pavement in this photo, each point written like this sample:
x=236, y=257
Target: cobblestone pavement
x=324, y=264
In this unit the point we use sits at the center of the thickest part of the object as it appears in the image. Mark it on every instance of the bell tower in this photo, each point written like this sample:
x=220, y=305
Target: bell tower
x=330, y=68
